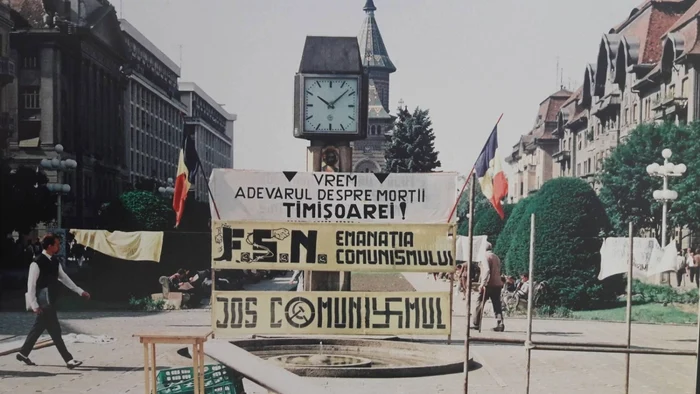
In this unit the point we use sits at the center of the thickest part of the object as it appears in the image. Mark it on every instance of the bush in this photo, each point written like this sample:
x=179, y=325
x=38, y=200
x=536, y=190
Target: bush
x=646, y=292
x=138, y=210
x=491, y=225
x=569, y=221
x=558, y=312
x=146, y=304
x=500, y=248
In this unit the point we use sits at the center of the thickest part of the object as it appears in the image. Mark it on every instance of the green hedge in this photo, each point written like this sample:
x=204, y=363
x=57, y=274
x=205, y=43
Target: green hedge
x=491, y=225
x=568, y=226
x=501, y=246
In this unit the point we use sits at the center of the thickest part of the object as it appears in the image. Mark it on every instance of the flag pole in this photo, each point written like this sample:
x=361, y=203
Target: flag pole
x=471, y=173
x=211, y=195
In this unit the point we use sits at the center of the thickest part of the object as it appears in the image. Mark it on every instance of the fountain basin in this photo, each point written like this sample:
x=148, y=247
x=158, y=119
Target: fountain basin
x=360, y=358
x=321, y=361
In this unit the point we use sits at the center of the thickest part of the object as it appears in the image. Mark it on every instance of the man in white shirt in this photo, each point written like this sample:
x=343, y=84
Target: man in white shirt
x=44, y=274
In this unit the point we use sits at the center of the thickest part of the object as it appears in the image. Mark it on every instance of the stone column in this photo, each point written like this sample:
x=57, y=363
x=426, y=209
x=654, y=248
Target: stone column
x=47, y=68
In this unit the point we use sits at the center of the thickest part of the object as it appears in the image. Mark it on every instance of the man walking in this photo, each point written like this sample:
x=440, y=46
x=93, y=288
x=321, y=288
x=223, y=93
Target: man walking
x=42, y=291
x=490, y=287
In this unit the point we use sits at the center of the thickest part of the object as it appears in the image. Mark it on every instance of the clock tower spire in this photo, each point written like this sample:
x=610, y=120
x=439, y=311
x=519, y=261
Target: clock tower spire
x=368, y=155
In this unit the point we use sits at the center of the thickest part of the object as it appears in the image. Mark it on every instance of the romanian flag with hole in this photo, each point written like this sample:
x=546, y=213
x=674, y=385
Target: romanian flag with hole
x=490, y=174
x=187, y=166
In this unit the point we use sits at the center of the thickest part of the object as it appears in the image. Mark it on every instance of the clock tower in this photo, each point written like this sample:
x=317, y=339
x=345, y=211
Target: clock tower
x=368, y=154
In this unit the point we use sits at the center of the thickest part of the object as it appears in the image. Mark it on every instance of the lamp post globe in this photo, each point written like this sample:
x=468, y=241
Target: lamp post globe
x=666, y=153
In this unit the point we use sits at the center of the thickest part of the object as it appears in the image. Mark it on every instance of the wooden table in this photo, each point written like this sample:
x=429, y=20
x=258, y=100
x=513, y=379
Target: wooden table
x=196, y=339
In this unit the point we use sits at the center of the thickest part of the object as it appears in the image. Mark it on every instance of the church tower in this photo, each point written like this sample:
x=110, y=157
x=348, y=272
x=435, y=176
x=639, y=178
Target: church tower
x=368, y=155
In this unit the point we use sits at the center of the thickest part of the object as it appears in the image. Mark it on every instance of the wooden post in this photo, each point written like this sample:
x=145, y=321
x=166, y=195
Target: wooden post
x=629, y=309
x=146, y=364
x=195, y=368
x=153, y=366
x=697, y=359
x=452, y=279
x=531, y=290
x=469, y=284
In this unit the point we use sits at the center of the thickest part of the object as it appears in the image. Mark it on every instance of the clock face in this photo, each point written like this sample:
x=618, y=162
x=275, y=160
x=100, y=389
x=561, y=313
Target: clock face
x=330, y=105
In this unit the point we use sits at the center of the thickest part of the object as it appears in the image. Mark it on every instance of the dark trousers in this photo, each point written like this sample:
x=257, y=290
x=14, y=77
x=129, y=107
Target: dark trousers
x=492, y=293
x=46, y=320
x=679, y=276
x=693, y=274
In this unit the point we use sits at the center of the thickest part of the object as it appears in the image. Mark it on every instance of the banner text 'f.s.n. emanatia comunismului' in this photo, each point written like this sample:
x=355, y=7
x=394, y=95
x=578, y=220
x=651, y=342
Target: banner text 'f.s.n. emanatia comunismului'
x=333, y=197
x=332, y=246
x=350, y=313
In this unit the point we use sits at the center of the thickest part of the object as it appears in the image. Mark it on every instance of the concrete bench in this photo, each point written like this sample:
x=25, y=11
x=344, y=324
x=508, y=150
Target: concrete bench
x=261, y=372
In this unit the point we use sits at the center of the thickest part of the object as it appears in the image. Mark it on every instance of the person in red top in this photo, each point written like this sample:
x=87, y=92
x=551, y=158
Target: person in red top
x=490, y=287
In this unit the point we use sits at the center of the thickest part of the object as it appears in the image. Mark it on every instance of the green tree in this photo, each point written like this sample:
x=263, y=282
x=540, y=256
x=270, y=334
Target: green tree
x=411, y=145
x=569, y=220
x=481, y=205
x=490, y=224
x=138, y=210
x=501, y=246
x=627, y=189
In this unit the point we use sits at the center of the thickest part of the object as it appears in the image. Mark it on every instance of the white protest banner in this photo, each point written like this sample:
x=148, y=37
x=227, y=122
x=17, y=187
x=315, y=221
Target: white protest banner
x=332, y=246
x=479, y=248
x=615, y=256
x=333, y=197
x=235, y=313
x=663, y=260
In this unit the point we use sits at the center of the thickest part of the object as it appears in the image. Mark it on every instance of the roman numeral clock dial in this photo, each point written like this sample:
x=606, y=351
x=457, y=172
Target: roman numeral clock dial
x=330, y=105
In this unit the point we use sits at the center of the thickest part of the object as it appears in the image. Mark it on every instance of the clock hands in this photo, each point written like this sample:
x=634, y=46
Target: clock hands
x=330, y=105
x=339, y=97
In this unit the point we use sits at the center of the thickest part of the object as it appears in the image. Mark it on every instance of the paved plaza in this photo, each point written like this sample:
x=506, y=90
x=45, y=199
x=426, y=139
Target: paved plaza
x=116, y=367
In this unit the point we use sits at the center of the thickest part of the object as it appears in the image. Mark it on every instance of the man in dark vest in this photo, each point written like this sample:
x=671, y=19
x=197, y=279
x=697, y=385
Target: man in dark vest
x=42, y=291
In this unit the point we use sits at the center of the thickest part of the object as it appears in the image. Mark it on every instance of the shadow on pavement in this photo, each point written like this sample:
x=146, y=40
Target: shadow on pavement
x=114, y=369
x=33, y=374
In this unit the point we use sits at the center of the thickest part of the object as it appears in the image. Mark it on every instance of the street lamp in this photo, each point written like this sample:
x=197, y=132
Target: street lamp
x=665, y=195
x=60, y=166
x=167, y=191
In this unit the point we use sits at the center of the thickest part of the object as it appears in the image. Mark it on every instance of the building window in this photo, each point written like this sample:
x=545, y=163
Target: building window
x=30, y=62
x=30, y=98
x=634, y=113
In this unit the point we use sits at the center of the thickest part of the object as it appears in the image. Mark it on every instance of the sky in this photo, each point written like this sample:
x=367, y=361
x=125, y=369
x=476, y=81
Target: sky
x=467, y=61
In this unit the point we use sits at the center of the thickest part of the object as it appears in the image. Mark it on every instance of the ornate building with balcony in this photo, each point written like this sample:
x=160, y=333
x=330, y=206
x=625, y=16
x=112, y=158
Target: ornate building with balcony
x=623, y=88
x=532, y=157
x=155, y=116
x=368, y=154
x=672, y=87
x=69, y=89
x=7, y=75
x=212, y=127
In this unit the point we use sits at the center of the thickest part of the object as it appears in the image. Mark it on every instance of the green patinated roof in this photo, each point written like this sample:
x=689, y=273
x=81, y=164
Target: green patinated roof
x=377, y=56
x=375, y=107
